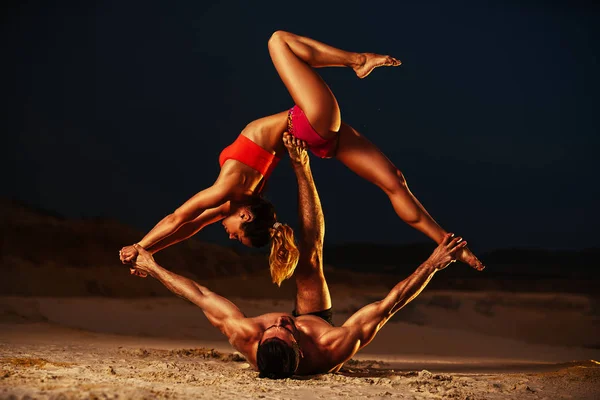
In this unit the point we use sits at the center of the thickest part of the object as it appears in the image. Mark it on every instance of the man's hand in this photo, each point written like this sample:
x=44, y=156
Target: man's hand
x=445, y=253
x=144, y=262
x=296, y=148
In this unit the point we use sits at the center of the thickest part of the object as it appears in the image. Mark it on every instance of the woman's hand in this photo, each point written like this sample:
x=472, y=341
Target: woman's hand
x=296, y=148
x=128, y=254
x=445, y=253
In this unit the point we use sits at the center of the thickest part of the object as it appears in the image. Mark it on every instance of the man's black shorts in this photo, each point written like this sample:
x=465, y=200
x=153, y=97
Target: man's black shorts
x=326, y=315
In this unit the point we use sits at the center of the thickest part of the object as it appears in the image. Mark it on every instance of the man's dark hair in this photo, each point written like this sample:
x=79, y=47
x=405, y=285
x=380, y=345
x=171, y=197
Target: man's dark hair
x=276, y=359
x=258, y=230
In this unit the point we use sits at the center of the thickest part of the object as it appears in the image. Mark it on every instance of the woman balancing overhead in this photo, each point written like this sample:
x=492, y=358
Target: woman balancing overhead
x=235, y=197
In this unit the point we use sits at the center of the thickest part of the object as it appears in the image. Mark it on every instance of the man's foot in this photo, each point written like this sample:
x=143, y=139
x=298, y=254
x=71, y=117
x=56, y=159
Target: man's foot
x=370, y=61
x=465, y=255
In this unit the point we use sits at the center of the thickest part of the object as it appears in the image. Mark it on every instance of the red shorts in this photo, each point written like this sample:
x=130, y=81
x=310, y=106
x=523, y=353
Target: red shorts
x=299, y=126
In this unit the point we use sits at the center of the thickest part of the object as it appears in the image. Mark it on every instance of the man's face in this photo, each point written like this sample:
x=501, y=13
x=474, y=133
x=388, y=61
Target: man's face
x=283, y=328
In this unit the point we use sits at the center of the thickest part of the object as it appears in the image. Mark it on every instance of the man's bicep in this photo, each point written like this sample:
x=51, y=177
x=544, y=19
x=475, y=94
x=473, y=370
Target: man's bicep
x=340, y=344
x=367, y=321
x=217, y=309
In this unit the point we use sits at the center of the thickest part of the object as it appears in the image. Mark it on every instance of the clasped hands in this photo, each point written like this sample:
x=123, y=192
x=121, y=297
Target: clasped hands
x=129, y=255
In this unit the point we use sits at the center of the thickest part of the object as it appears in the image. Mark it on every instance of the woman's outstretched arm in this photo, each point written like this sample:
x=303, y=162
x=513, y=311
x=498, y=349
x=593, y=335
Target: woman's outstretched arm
x=190, y=228
x=213, y=197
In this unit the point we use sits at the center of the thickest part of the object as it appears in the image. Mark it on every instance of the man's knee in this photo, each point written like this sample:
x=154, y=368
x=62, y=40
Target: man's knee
x=312, y=296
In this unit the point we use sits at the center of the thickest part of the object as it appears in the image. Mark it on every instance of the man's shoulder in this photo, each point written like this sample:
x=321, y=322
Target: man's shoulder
x=242, y=330
x=321, y=332
x=244, y=337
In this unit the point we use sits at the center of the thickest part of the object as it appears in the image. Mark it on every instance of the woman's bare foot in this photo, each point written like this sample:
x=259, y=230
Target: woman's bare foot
x=465, y=255
x=370, y=61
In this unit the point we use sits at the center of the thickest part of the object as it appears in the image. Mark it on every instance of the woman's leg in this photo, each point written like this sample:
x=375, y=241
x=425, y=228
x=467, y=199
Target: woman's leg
x=295, y=57
x=365, y=159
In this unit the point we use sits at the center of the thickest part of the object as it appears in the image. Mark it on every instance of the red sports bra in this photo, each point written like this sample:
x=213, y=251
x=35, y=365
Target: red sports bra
x=249, y=153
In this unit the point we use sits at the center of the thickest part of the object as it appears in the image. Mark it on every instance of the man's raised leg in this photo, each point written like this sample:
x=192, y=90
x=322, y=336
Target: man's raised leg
x=312, y=292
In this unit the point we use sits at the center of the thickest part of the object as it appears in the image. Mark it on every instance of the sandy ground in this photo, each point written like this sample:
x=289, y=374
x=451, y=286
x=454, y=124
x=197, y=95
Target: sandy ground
x=443, y=346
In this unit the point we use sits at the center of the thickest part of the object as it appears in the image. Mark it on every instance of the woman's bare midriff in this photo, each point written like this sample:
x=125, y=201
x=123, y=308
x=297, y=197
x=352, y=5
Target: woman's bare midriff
x=267, y=132
x=246, y=178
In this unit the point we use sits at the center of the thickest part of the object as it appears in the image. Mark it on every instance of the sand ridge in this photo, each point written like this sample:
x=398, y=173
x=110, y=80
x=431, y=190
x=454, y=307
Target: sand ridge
x=164, y=348
x=84, y=371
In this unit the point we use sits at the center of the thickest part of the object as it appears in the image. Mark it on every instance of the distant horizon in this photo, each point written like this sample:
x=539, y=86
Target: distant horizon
x=236, y=246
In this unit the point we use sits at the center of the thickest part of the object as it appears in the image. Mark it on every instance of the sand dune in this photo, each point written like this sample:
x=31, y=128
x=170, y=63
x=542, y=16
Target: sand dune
x=164, y=348
x=445, y=344
x=441, y=324
x=74, y=324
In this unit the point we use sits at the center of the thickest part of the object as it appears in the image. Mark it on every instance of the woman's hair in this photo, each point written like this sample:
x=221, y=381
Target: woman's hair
x=262, y=229
x=284, y=253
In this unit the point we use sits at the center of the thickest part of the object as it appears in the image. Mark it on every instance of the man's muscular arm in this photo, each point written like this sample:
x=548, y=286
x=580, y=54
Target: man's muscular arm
x=362, y=327
x=221, y=313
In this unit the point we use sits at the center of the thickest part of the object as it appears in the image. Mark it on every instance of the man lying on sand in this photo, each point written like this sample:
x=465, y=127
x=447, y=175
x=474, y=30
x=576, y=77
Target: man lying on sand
x=305, y=342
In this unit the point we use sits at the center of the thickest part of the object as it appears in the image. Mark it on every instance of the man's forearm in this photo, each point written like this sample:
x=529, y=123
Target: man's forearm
x=364, y=324
x=405, y=291
x=179, y=285
x=221, y=313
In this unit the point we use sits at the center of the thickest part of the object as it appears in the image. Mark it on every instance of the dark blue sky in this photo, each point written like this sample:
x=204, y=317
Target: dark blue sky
x=120, y=109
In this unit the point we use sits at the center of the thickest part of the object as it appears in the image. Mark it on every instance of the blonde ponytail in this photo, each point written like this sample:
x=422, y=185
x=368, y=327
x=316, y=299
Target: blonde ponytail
x=284, y=253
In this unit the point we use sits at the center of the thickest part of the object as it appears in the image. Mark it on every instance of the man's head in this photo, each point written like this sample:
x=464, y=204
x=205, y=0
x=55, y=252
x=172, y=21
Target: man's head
x=278, y=354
